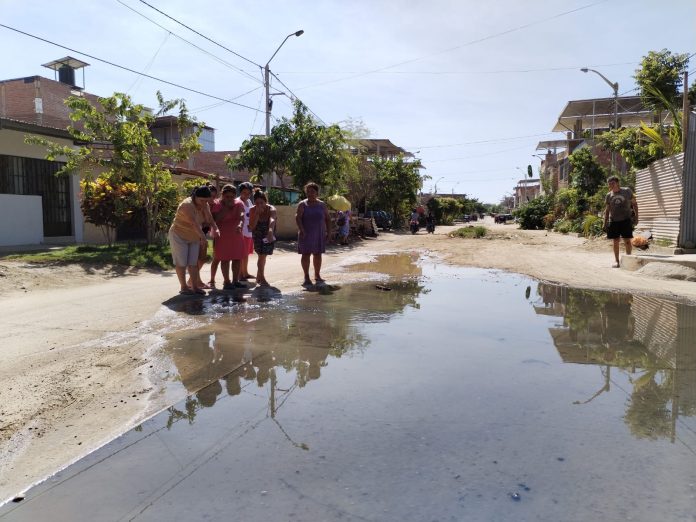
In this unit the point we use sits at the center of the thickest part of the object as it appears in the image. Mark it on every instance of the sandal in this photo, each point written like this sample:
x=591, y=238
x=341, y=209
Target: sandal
x=199, y=291
x=186, y=291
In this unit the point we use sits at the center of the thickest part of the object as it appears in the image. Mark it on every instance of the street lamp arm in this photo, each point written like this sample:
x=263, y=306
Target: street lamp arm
x=613, y=85
x=296, y=33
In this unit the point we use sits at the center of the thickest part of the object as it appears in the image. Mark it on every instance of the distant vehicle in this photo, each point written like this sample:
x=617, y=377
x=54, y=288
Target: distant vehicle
x=474, y=217
x=466, y=218
x=503, y=218
x=382, y=218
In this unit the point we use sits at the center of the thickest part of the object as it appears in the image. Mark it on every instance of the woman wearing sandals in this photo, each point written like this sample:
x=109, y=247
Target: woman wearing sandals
x=262, y=222
x=229, y=216
x=186, y=235
x=314, y=224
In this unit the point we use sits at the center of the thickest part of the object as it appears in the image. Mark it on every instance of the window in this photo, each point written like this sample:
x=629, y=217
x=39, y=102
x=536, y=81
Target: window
x=37, y=177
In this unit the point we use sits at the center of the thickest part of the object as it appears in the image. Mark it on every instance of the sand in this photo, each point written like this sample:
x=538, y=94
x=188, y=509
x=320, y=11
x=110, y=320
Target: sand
x=75, y=361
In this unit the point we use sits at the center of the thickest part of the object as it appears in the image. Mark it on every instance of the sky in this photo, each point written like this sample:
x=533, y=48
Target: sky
x=469, y=87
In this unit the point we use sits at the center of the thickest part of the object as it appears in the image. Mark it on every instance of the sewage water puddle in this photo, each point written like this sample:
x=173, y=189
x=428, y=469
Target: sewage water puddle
x=438, y=393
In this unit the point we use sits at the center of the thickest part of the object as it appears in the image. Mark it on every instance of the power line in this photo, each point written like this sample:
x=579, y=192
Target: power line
x=196, y=91
x=149, y=64
x=500, y=71
x=200, y=34
x=478, y=155
x=297, y=97
x=495, y=140
x=217, y=58
x=466, y=44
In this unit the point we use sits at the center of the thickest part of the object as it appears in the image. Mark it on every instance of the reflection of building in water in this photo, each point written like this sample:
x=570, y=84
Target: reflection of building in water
x=653, y=337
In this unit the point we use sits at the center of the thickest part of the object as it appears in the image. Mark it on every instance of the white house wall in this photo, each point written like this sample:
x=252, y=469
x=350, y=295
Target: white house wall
x=21, y=220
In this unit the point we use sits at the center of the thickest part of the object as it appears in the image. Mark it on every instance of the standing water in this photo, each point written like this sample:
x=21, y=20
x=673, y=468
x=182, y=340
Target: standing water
x=439, y=393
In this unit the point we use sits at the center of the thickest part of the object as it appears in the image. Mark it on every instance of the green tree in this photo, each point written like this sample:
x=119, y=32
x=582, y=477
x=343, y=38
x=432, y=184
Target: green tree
x=445, y=210
x=118, y=143
x=397, y=185
x=661, y=72
x=264, y=155
x=318, y=152
x=587, y=174
x=298, y=147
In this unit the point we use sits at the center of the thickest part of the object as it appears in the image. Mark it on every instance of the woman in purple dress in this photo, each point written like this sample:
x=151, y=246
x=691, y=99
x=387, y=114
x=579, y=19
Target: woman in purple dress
x=313, y=223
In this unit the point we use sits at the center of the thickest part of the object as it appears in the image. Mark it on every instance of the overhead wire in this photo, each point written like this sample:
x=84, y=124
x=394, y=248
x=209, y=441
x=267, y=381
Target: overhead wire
x=478, y=142
x=201, y=34
x=149, y=64
x=123, y=67
x=457, y=47
x=215, y=57
x=500, y=71
x=298, y=98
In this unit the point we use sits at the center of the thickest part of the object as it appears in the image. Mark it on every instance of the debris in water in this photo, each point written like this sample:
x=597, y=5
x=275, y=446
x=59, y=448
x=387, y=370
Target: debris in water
x=383, y=288
x=560, y=459
x=524, y=486
x=17, y=499
x=515, y=496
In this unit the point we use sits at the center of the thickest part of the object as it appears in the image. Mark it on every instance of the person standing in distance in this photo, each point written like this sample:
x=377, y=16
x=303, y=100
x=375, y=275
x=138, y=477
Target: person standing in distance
x=620, y=216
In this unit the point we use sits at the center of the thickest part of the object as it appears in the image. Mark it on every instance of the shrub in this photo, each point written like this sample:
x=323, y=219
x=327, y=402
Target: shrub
x=531, y=216
x=592, y=226
x=564, y=226
x=470, y=232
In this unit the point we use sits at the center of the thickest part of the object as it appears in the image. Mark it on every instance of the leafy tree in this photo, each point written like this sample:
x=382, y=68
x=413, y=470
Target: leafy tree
x=633, y=146
x=445, y=210
x=587, y=174
x=318, y=152
x=264, y=155
x=661, y=72
x=298, y=147
x=118, y=143
x=397, y=184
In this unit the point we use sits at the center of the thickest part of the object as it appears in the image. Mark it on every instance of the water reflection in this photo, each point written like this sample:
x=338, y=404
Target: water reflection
x=298, y=336
x=650, y=339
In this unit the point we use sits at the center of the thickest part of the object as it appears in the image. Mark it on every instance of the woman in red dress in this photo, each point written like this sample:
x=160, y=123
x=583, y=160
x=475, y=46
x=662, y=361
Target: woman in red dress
x=230, y=246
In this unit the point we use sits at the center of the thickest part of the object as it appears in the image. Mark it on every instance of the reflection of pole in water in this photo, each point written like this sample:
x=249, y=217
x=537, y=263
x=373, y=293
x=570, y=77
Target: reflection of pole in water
x=273, y=407
x=605, y=388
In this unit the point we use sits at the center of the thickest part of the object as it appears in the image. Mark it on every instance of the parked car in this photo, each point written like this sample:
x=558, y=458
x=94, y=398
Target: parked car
x=382, y=218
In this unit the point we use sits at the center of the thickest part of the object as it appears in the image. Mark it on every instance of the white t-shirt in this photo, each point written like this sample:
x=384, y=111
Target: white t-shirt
x=245, y=229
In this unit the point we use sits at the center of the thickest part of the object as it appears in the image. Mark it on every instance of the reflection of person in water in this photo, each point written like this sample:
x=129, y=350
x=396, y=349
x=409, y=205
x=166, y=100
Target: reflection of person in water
x=208, y=395
x=618, y=323
x=232, y=384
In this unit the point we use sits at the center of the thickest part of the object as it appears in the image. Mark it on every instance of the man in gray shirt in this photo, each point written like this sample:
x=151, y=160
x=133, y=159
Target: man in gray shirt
x=620, y=216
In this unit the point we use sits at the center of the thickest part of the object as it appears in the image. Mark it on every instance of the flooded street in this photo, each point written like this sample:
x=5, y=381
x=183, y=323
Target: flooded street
x=433, y=393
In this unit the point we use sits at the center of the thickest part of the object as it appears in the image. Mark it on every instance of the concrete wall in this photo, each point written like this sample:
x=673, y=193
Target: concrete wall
x=286, y=228
x=21, y=220
x=12, y=144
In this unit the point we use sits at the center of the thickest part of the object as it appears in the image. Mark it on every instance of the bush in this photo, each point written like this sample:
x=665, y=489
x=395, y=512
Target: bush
x=592, y=226
x=531, y=216
x=469, y=232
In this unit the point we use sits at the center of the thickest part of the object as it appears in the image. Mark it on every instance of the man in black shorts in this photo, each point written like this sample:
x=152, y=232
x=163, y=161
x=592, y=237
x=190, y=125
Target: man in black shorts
x=620, y=216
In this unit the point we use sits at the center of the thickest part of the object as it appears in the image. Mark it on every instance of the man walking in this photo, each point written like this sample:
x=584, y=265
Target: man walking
x=620, y=216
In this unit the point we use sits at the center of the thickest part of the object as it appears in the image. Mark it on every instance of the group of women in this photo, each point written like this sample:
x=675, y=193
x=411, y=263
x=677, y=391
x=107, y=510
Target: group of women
x=241, y=224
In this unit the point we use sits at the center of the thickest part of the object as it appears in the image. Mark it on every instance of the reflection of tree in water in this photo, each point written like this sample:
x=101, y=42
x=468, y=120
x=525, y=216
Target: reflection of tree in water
x=647, y=414
x=652, y=340
x=299, y=337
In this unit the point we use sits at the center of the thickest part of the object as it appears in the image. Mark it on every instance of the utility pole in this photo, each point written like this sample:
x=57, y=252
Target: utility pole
x=685, y=112
x=267, y=84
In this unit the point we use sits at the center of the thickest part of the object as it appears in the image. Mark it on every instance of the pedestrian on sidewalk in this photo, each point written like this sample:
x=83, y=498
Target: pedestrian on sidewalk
x=245, y=192
x=620, y=216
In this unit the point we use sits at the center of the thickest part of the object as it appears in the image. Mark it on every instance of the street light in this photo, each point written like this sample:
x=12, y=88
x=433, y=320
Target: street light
x=267, y=81
x=615, y=87
x=439, y=179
